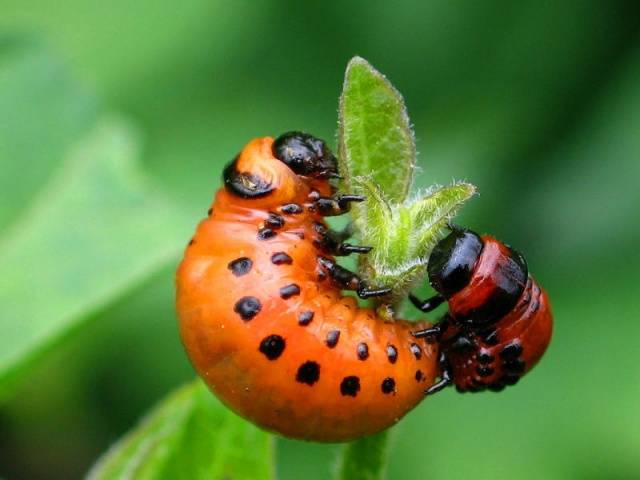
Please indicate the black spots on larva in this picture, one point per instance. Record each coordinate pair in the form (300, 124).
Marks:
(350, 386)
(281, 258)
(209, 212)
(240, 266)
(192, 241)
(416, 350)
(419, 376)
(363, 351)
(388, 386)
(308, 373)
(274, 221)
(332, 338)
(511, 351)
(247, 307)
(305, 317)
(484, 371)
(272, 346)
(266, 233)
(291, 208)
(289, 291)
(392, 353)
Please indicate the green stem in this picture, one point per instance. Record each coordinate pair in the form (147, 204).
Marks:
(365, 458)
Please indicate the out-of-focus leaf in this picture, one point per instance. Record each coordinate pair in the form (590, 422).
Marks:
(190, 435)
(97, 229)
(364, 459)
(43, 111)
(375, 139)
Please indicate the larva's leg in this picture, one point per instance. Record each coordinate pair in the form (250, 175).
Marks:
(347, 280)
(334, 244)
(435, 331)
(338, 205)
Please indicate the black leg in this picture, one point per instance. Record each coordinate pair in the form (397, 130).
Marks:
(445, 381)
(427, 305)
(347, 249)
(333, 242)
(366, 292)
(347, 280)
(338, 205)
(445, 376)
(435, 331)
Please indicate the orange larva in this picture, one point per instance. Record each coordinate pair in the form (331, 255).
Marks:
(261, 312)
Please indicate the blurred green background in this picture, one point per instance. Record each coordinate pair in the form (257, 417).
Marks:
(536, 103)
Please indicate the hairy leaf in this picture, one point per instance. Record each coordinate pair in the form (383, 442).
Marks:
(375, 139)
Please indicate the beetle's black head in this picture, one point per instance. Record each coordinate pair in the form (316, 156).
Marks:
(452, 261)
(305, 155)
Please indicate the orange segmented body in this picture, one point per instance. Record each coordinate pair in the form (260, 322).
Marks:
(499, 322)
(261, 312)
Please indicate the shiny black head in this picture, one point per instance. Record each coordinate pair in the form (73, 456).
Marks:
(452, 261)
(305, 155)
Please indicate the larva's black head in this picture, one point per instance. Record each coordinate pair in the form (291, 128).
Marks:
(244, 184)
(305, 155)
(452, 261)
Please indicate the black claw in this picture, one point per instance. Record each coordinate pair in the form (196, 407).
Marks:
(445, 377)
(434, 331)
(436, 387)
(428, 304)
(365, 292)
(347, 248)
(338, 205)
(349, 197)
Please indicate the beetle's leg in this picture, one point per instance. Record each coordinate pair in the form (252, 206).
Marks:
(428, 304)
(445, 376)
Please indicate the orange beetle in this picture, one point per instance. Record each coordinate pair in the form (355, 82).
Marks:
(261, 312)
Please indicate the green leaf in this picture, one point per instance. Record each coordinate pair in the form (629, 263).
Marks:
(403, 235)
(430, 214)
(364, 459)
(44, 112)
(375, 139)
(190, 435)
(96, 230)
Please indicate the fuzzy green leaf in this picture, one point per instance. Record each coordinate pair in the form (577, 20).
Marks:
(375, 139)
(430, 214)
(190, 435)
(97, 229)
(403, 235)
